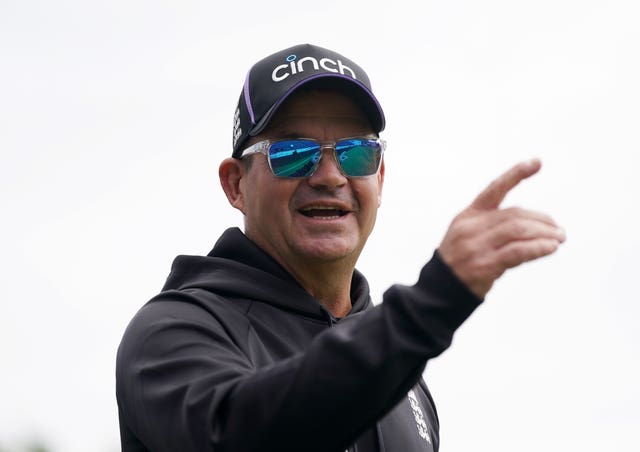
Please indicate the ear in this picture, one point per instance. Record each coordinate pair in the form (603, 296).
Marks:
(231, 172)
(380, 182)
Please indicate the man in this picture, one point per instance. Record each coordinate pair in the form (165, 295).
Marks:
(271, 342)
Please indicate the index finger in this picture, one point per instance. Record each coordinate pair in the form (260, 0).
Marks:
(492, 196)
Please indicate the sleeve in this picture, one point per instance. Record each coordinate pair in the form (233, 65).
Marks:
(186, 385)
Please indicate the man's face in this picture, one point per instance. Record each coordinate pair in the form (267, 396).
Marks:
(325, 217)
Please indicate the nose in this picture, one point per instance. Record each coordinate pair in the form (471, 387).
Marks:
(327, 174)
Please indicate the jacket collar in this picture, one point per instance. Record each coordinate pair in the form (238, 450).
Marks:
(238, 268)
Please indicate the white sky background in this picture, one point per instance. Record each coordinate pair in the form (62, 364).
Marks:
(115, 115)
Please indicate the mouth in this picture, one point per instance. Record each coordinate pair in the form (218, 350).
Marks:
(323, 212)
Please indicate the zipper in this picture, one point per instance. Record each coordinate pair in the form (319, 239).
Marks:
(331, 321)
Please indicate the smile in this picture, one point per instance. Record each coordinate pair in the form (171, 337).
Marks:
(323, 213)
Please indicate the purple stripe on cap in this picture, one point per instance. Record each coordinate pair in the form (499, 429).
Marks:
(247, 98)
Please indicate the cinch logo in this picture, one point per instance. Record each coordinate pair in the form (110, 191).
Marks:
(293, 67)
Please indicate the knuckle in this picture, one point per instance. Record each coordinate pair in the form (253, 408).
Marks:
(514, 255)
(463, 227)
(518, 255)
(518, 228)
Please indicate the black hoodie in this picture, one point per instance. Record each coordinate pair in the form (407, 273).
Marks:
(234, 355)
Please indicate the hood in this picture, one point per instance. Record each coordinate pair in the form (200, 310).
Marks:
(238, 268)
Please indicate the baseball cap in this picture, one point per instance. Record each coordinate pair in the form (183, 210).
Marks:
(271, 80)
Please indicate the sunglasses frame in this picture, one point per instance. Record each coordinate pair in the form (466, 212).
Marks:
(262, 147)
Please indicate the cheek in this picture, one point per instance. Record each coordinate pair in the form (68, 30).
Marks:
(270, 199)
(380, 180)
(368, 193)
(369, 189)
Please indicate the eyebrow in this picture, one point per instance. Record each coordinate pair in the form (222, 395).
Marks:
(279, 134)
(288, 133)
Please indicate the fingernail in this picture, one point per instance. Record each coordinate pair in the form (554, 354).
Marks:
(562, 233)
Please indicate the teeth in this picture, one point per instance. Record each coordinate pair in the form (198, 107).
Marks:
(326, 218)
(319, 208)
(323, 212)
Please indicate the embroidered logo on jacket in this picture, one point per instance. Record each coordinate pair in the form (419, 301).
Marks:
(423, 430)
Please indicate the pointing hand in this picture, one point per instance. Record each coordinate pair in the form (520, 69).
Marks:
(483, 240)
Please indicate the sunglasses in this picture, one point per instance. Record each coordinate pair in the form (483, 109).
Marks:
(298, 158)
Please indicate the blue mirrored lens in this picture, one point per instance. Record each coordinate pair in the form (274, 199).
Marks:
(299, 158)
(359, 157)
(294, 158)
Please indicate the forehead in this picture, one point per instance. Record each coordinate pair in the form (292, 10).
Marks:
(319, 112)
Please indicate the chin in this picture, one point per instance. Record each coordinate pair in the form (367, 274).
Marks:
(330, 249)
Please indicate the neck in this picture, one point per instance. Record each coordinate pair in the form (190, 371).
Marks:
(330, 285)
(334, 295)
(328, 281)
